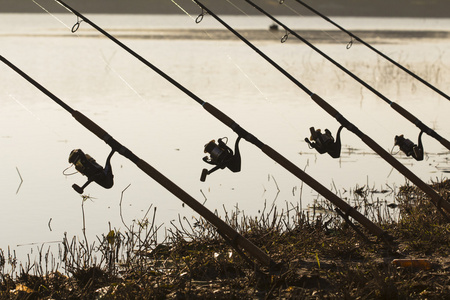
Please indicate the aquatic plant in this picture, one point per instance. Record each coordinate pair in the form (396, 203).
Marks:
(318, 254)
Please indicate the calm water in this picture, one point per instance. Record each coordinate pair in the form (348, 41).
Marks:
(167, 129)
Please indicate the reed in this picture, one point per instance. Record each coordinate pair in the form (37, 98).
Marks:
(319, 255)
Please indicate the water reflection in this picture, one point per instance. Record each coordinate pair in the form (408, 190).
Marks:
(164, 127)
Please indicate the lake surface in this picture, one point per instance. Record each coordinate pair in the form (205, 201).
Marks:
(168, 129)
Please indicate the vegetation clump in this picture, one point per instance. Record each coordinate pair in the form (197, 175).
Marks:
(318, 256)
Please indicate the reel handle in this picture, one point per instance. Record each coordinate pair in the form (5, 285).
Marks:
(204, 174)
(77, 188)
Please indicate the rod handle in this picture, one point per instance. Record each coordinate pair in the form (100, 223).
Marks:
(404, 113)
(90, 125)
(221, 225)
(333, 198)
(218, 114)
(322, 103)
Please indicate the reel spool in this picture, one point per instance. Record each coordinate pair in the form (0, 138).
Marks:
(87, 166)
(222, 157)
(324, 142)
(409, 148)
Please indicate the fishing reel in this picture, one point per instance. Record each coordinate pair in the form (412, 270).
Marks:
(324, 142)
(87, 166)
(409, 148)
(222, 157)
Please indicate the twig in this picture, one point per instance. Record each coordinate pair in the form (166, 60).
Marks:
(84, 198)
(120, 207)
(21, 180)
(203, 196)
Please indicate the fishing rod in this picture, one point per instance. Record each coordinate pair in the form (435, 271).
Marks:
(373, 49)
(223, 157)
(104, 177)
(407, 146)
(435, 197)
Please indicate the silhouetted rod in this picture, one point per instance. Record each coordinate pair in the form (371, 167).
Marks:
(220, 225)
(435, 197)
(347, 209)
(375, 50)
(395, 106)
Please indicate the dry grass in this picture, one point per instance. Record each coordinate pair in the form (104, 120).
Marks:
(319, 256)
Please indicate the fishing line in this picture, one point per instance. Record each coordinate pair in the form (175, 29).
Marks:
(34, 115)
(236, 240)
(265, 97)
(375, 50)
(283, 39)
(403, 112)
(74, 30)
(238, 67)
(183, 10)
(221, 156)
(24, 107)
(123, 80)
(47, 11)
(342, 68)
(69, 174)
(235, 6)
(437, 199)
(324, 31)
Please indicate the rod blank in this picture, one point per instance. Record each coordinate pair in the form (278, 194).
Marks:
(435, 197)
(375, 50)
(374, 229)
(403, 112)
(221, 226)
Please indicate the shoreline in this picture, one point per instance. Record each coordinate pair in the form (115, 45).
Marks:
(364, 8)
(317, 36)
